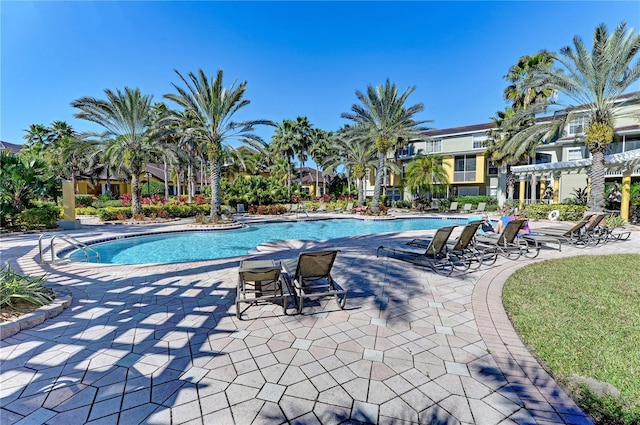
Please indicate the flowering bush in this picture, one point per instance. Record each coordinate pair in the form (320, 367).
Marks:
(125, 199)
(201, 200)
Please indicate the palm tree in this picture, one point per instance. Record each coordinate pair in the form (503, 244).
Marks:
(126, 117)
(517, 92)
(356, 155)
(385, 122)
(425, 174)
(213, 107)
(595, 80)
(302, 139)
(37, 138)
(282, 146)
(498, 149)
(521, 95)
(319, 150)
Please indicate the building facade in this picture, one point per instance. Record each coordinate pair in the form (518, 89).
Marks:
(557, 170)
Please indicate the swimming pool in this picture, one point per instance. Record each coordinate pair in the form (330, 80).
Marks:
(177, 247)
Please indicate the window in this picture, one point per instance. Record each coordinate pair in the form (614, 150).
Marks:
(574, 154)
(434, 146)
(406, 151)
(631, 142)
(543, 158)
(464, 168)
(479, 140)
(577, 125)
(468, 191)
(492, 168)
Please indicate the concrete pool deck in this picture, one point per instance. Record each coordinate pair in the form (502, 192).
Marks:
(160, 344)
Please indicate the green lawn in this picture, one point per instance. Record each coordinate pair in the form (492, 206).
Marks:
(581, 316)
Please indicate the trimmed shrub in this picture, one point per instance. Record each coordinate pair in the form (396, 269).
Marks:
(103, 203)
(567, 212)
(114, 213)
(44, 217)
(84, 200)
(86, 211)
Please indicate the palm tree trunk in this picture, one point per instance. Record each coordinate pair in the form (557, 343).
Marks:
(375, 202)
(289, 178)
(190, 183)
(596, 197)
(215, 169)
(361, 192)
(108, 181)
(136, 207)
(166, 179)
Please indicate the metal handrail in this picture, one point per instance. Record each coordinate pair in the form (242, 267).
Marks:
(69, 240)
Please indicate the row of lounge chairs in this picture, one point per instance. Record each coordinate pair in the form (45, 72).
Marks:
(472, 249)
(466, 208)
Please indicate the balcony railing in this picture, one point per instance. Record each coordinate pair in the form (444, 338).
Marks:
(464, 176)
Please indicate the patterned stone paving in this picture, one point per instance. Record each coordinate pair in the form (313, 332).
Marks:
(161, 345)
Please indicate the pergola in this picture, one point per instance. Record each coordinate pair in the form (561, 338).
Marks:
(626, 163)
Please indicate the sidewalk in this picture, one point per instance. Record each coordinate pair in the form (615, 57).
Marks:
(161, 345)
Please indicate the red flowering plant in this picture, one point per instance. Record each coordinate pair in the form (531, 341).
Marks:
(125, 199)
(200, 199)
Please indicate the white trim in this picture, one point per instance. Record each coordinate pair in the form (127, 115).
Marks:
(621, 160)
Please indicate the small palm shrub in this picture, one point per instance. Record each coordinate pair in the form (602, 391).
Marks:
(15, 287)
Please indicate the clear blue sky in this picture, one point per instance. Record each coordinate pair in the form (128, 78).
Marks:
(299, 58)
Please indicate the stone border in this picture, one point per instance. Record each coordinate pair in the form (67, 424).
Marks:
(62, 301)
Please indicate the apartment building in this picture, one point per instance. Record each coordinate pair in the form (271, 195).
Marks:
(558, 168)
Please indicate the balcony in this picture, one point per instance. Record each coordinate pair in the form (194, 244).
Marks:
(464, 176)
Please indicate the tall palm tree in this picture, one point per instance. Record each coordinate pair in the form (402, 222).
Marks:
(517, 92)
(595, 80)
(319, 150)
(386, 122)
(282, 146)
(355, 154)
(37, 138)
(302, 140)
(213, 107)
(126, 117)
(498, 148)
(425, 174)
(522, 95)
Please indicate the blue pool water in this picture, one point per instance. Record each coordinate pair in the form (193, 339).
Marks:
(208, 245)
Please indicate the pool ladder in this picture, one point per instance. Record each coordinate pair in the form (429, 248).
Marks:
(71, 241)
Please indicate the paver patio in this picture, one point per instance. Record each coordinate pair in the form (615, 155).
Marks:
(160, 344)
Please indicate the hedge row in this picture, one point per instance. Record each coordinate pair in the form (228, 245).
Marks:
(162, 211)
(567, 212)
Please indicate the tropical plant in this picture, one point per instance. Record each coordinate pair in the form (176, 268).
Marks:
(126, 117)
(595, 80)
(385, 122)
(21, 182)
(211, 108)
(15, 287)
(425, 174)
